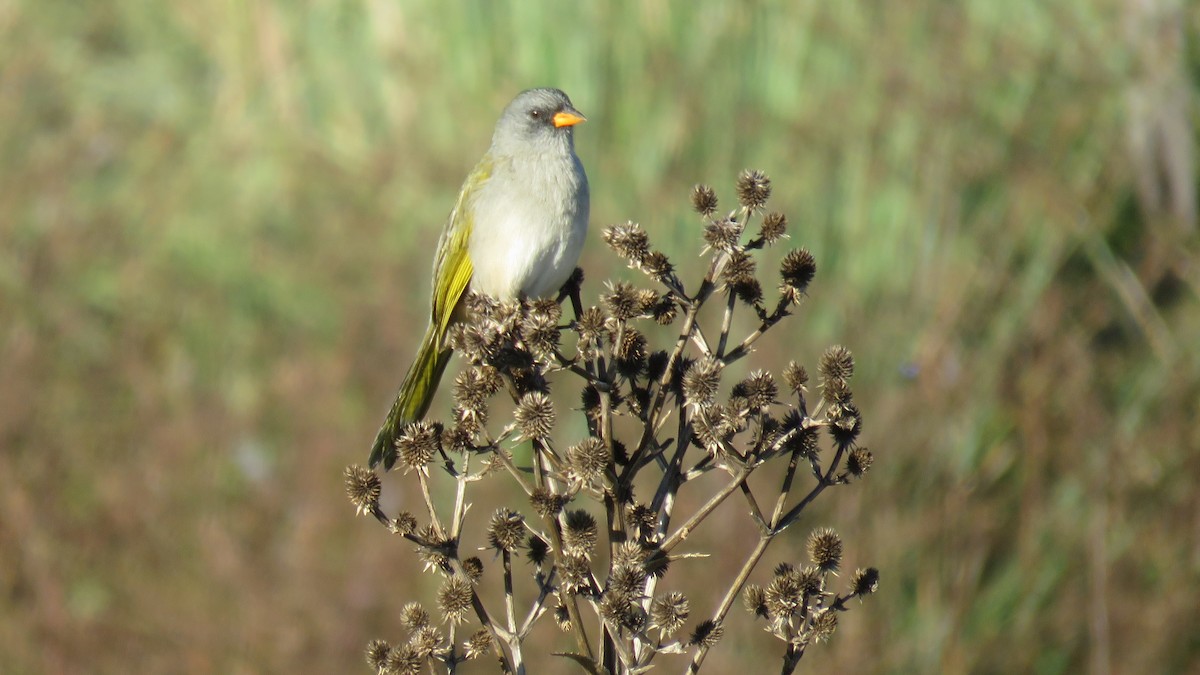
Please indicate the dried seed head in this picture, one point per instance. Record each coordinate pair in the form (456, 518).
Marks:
(418, 443)
(669, 612)
(576, 574)
(630, 354)
(796, 271)
(579, 533)
(657, 265)
(823, 626)
(413, 616)
(540, 334)
(707, 634)
(377, 653)
(701, 380)
(627, 580)
(723, 234)
(619, 608)
(562, 616)
(812, 582)
(478, 644)
(755, 600)
(796, 377)
(805, 441)
(506, 530)
(588, 459)
(837, 363)
(629, 241)
(825, 549)
(859, 462)
(454, 599)
(535, 415)
(784, 596)
(753, 189)
(845, 423)
(665, 312)
(864, 582)
(404, 523)
(363, 488)
(629, 554)
(538, 549)
(739, 268)
(431, 554)
(403, 660)
(622, 301)
(748, 291)
(774, 227)
(643, 518)
(704, 200)
(759, 390)
(473, 568)
(427, 641)
(591, 323)
(546, 503)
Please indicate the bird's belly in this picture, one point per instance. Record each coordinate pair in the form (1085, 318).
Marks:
(520, 254)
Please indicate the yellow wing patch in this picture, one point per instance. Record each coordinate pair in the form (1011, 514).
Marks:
(453, 269)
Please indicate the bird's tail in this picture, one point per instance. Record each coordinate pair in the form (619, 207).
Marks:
(414, 397)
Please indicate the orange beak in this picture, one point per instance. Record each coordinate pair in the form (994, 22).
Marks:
(567, 119)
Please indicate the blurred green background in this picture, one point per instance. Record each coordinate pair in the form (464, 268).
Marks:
(215, 220)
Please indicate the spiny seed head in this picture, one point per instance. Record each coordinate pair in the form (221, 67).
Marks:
(774, 227)
(723, 234)
(701, 380)
(619, 608)
(413, 616)
(864, 582)
(837, 392)
(576, 574)
(535, 415)
(540, 333)
(825, 549)
(591, 323)
(845, 423)
(811, 580)
(823, 626)
(506, 530)
(755, 600)
(629, 554)
(759, 390)
(748, 290)
(669, 612)
(562, 616)
(580, 533)
(644, 518)
(704, 200)
(427, 641)
(404, 523)
(665, 311)
(622, 301)
(784, 595)
(630, 354)
(753, 189)
(403, 660)
(859, 462)
(657, 563)
(796, 271)
(547, 307)
(377, 653)
(805, 442)
(473, 568)
(628, 580)
(588, 459)
(538, 549)
(418, 443)
(796, 377)
(707, 634)
(657, 265)
(478, 644)
(546, 503)
(363, 488)
(739, 268)
(629, 241)
(837, 363)
(454, 599)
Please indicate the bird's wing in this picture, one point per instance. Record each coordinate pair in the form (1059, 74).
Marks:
(453, 269)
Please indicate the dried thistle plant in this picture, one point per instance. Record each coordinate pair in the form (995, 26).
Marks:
(648, 409)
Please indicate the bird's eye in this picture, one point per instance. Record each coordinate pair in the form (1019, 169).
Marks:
(535, 114)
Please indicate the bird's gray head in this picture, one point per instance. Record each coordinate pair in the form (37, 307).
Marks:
(541, 117)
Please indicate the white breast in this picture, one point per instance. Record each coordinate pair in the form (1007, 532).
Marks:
(529, 225)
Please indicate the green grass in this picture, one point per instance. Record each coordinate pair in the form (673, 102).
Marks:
(212, 218)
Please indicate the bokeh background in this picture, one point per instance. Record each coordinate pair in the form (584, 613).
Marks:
(216, 221)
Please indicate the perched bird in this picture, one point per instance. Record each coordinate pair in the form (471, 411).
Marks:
(517, 229)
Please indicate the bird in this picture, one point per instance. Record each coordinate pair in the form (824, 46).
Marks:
(516, 230)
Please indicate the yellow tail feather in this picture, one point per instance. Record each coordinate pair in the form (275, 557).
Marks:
(414, 397)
